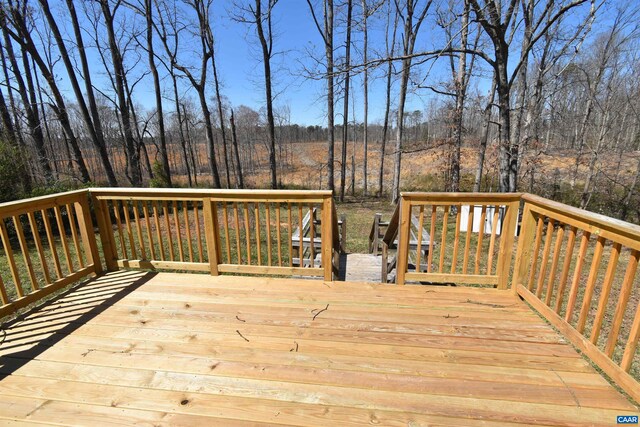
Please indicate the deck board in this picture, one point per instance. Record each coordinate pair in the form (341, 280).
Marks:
(186, 349)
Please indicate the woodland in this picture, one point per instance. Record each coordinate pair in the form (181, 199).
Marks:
(517, 95)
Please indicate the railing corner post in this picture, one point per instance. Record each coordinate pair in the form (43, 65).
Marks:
(83, 215)
(106, 233)
(403, 240)
(327, 237)
(211, 233)
(523, 253)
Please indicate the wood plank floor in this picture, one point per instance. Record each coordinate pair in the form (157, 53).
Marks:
(184, 349)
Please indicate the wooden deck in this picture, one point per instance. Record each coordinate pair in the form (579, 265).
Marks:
(186, 349)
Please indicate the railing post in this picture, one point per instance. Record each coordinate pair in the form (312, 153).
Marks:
(403, 240)
(106, 233)
(211, 234)
(506, 244)
(327, 237)
(83, 216)
(523, 254)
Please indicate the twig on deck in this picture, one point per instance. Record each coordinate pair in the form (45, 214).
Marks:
(319, 311)
(450, 317)
(242, 336)
(488, 305)
(575, 398)
(295, 348)
(242, 320)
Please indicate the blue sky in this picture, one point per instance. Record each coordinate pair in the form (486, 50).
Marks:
(240, 69)
(239, 61)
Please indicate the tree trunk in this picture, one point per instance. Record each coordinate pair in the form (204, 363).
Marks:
(236, 153)
(330, 91)
(183, 143)
(164, 158)
(33, 118)
(365, 136)
(484, 139)
(345, 103)
(133, 156)
(266, 62)
(91, 120)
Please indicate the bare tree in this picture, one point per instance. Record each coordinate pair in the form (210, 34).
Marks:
(201, 9)
(326, 32)
(390, 42)
(260, 16)
(345, 102)
(89, 114)
(412, 19)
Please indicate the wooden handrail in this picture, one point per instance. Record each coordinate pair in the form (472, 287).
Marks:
(562, 255)
(434, 210)
(56, 224)
(168, 229)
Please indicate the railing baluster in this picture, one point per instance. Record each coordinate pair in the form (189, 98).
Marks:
(279, 237)
(8, 251)
(247, 231)
(116, 210)
(632, 343)
(419, 237)
(467, 243)
(24, 248)
(199, 232)
(312, 230)
(591, 283)
(577, 272)
(289, 224)
(301, 240)
(456, 240)
(36, 237)
(237, 221)
(52, 244)
(268, 219)
(156, 220)
(63, 238)
(187, 224)
(432, 234)
(152, 246)
(136, 217)
(535, 253)
(492, 240)
(167, 227)
(225, 216)
(565, 268)
(127, 220)
(623, 300)
(483, 219)
(3, 293)
(209, 213)
(554, 264)
(605, 291)
(176, 219)
(443, 243)
(256, 211)
(545, 257)
(74, 234)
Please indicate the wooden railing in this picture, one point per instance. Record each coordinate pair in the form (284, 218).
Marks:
(378, 230)
(48, 243)
(458, 250)
(244, 232)
(579, 270)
